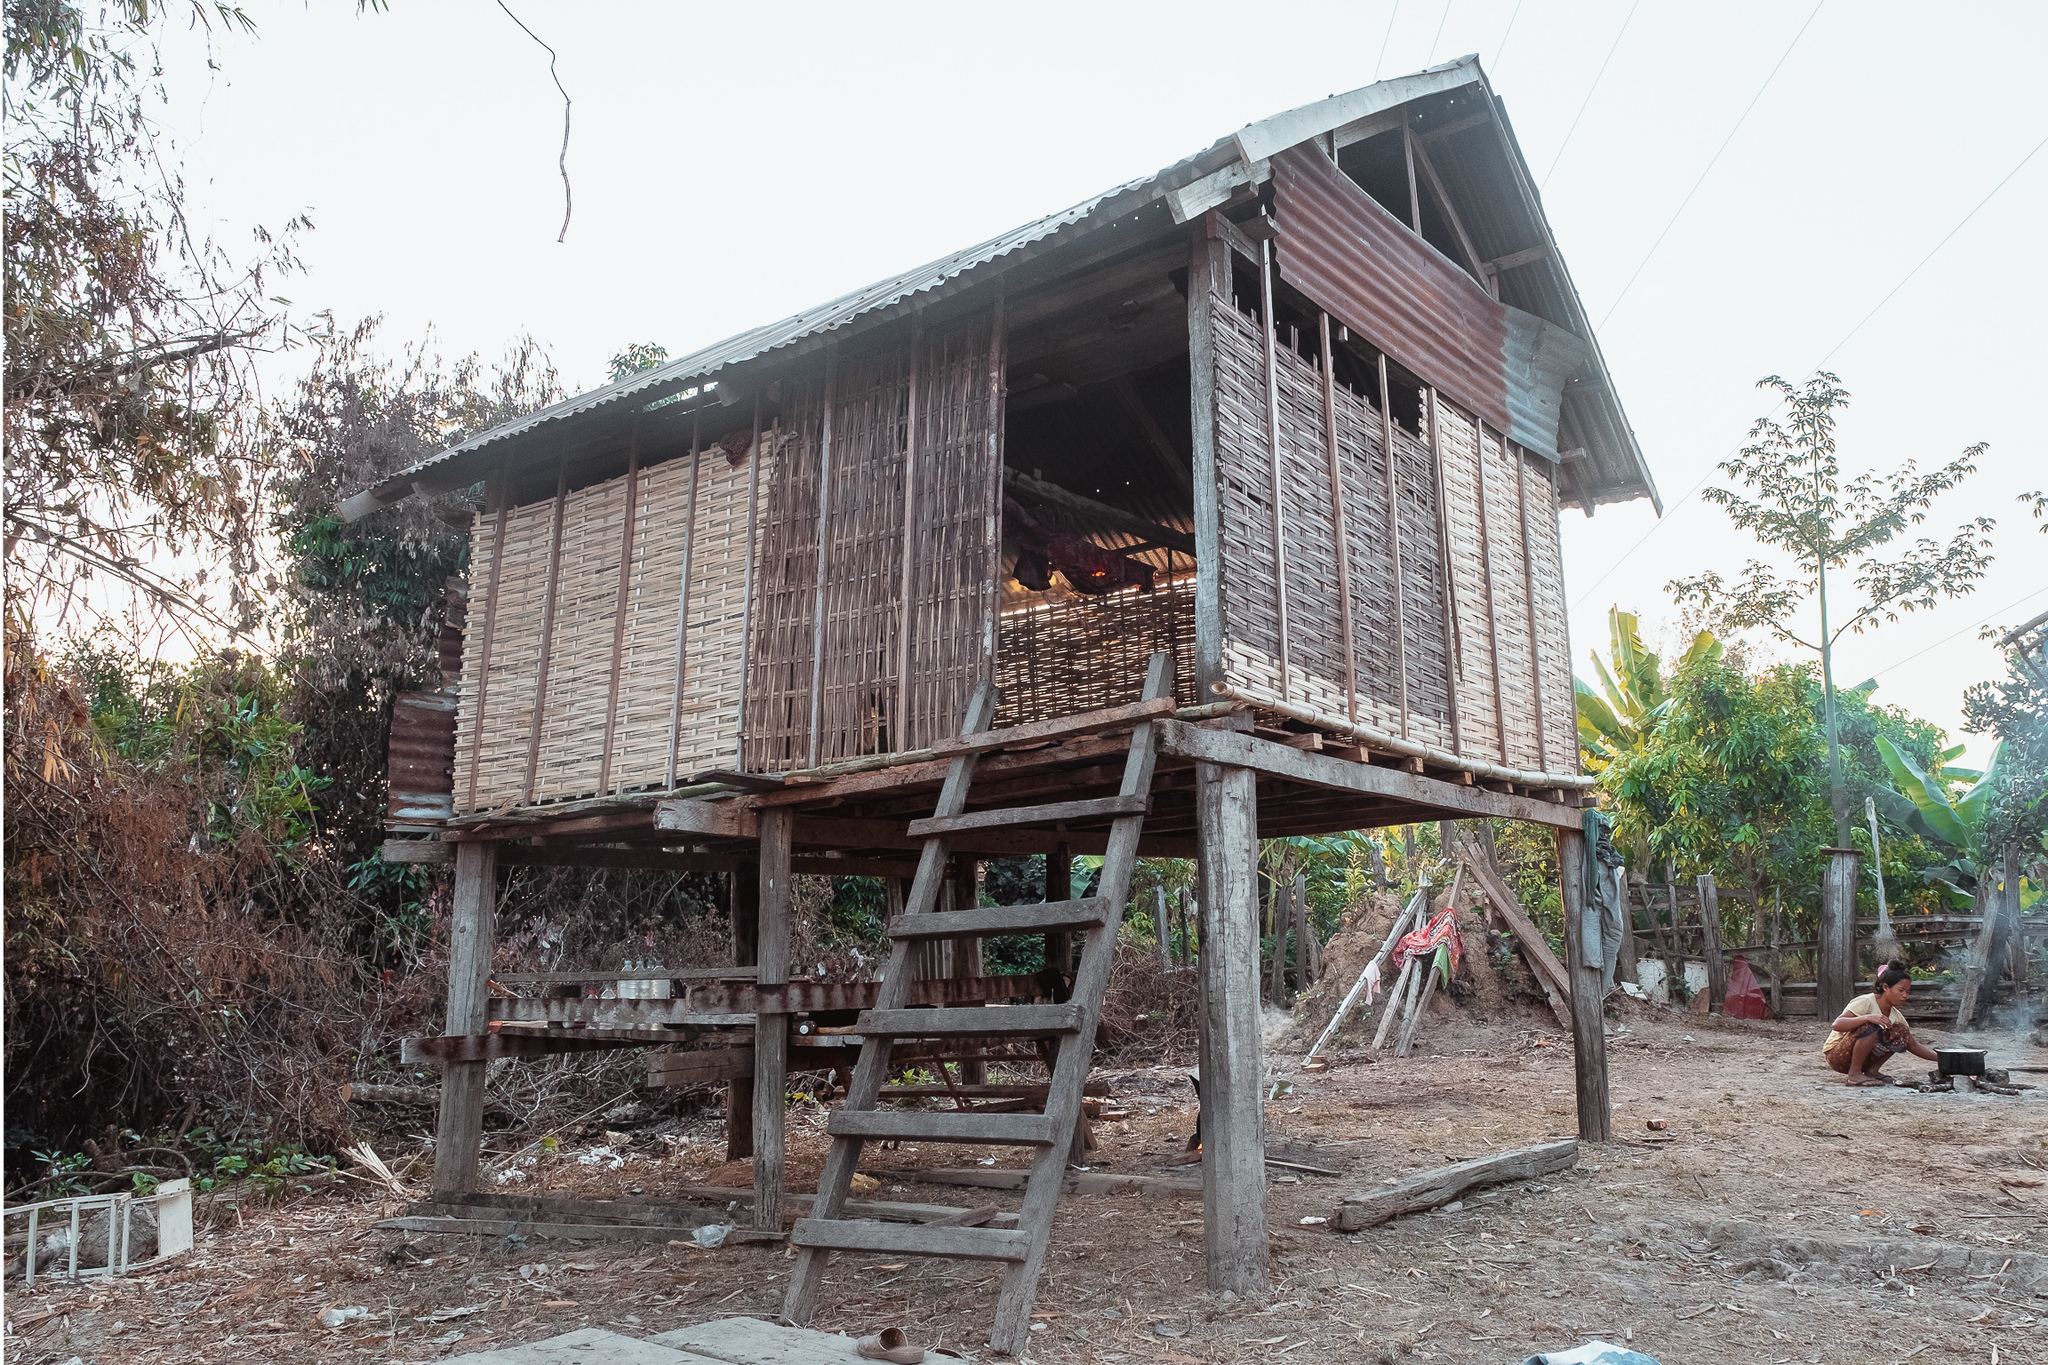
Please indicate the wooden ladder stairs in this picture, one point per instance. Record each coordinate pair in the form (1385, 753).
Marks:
(1070, 1027)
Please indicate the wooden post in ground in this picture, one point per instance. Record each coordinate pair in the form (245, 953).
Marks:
(1306, 947)
(1710, 932)
(1277, 913)
(1836, 977)
(1582, 948)
(746, 932)
(1777, 957)
(1625, 968)
(472, 937)
(771, 1031)
(1162, 930)
(1998, 901)
(1059, 886)
(1233, 1133)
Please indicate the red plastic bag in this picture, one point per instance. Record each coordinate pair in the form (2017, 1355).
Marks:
(1745, 998)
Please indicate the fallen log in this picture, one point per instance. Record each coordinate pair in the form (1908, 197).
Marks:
(1434, 1188)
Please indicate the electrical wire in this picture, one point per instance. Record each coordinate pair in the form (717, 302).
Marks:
(1896, 663)
(1445, 18)
(1665, 520)
(1589, 95)
(1380, 65)
(1711, 163)
(1509, 33)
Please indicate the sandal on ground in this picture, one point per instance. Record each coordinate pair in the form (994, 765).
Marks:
(889, 1344)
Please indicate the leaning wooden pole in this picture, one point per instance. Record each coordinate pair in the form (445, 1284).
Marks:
(1401, 922)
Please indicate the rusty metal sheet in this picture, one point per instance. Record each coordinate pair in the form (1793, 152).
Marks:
(1364, 266)
(422, 756)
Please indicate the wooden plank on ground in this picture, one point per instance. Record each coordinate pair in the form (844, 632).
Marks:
(503, 1227)
(605, 1210)
(1432, 1189)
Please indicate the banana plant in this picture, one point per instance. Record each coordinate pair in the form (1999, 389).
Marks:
(1925, 804)
(1620, 718)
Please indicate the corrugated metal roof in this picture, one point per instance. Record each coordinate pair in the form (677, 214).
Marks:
(456, 465)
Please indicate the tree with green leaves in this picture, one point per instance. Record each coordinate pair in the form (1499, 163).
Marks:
(1623, 716)
(1805, 509)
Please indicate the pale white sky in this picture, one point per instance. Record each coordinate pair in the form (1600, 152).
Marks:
(732, 164)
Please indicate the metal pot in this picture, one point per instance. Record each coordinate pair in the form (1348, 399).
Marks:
(1960, 1061)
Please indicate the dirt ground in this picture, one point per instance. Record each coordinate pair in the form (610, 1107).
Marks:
(1786, 1219)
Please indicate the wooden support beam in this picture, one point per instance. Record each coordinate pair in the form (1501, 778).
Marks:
(830, 409)
(1837, 961)
(1275, 451)
(1368, 780)
(1518, 258)
(622, 603)
(682, 655)
(771, 1031)
(1116, 517)
(1394, 542)
(1583, 954)
(547, 636)
(1339, 533)
(472, 933)
(1208, 290)
(1233, 1131)
(1156, 441)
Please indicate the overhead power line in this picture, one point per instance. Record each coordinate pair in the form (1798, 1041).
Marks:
(1712, 161)
(1896, 663)
(1589, 95)
(1442, 19)
(1380, 65)
(1506, 34)
(1665, 520)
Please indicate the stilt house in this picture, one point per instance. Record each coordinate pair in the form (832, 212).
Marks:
(1220, 506)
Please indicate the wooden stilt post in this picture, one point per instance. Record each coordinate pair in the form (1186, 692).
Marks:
(746, 932)
(1836, 982)
(771, 1031)
(472, 937)
(1233, 1132)
(1710, 933)
(1582, 946)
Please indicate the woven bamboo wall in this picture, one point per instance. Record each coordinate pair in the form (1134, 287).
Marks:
(1459, 599)
(939, 617)
(558, 599)
(1064, 651)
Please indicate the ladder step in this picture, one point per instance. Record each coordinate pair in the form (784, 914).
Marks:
(899, 1239)
(994, 1021)
(941, 1125)
(1057, 812)
(1052, 917)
